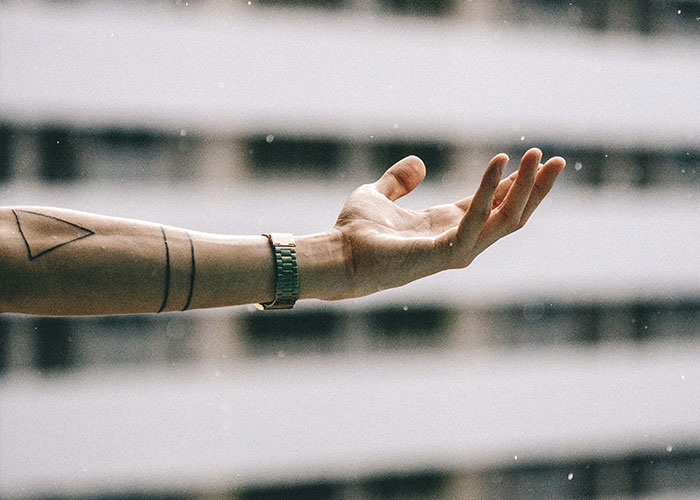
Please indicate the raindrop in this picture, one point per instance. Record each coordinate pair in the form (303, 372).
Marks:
(522, 138)
(578, 165)
(515, 457)
(281, 354)
(669, 448)
(679, 11)
(270, 138)
(405, 308)
(183, 132)
(570, 476)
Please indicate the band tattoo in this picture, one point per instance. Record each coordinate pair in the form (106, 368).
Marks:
(174, 270)
(37, 246)
(192, 273)
(167, 271)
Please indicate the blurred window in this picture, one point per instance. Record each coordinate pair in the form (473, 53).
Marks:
(586, 166)
(535, 482)
(675, 320)
(291, 332)
(687, 165)
(54, 348)
(682, 16)
(545, 323)
(4, 345)
(419, 7)
(58, 155)
(293, 156)
(436, 156)
(321, 491)
(324, 4)
(142, 496)
(409, 327)
(679, 470)
(5, 152)
(424, 486)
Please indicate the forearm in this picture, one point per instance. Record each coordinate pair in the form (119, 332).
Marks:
(62, 262)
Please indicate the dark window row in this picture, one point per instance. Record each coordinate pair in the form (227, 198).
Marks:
(631, 476)
(634, 475)
(59, 344)
(639, 474)
(64, 155)
(65, 343)
(642, 16)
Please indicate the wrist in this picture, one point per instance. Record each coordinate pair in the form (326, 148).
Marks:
(323, 266)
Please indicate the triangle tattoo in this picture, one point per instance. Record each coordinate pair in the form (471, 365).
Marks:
(34, 228)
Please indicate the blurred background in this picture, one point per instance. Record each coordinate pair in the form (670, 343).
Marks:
(564, 363)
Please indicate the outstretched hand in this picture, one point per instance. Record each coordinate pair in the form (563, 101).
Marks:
(388, 246)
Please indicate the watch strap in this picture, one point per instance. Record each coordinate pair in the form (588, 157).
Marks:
(286, 271)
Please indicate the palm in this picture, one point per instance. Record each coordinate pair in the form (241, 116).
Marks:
(391, 246)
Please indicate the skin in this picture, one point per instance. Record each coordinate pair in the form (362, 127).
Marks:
(391, 246)
(62, 262)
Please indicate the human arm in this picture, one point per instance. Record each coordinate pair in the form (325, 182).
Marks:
(62, 262)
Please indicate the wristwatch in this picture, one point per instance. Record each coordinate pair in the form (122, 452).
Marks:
(286, 272)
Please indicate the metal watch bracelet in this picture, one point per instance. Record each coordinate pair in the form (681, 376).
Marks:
(286, 272)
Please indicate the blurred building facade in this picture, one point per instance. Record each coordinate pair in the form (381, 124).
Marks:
(564, 363)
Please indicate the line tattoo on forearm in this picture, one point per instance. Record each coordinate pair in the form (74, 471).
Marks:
(179, 273)
(192, 273)
(34, 228)
(167, 271)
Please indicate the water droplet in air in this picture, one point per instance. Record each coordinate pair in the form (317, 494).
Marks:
(522, 138)
(679, 11)
(570, 476)
(183, 132)
(405, 308)
(270, 138)
(281, 354)
(578, 165)
(669, 448)
(515, 457)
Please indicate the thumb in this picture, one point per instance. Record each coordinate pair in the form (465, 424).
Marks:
(401, 178)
